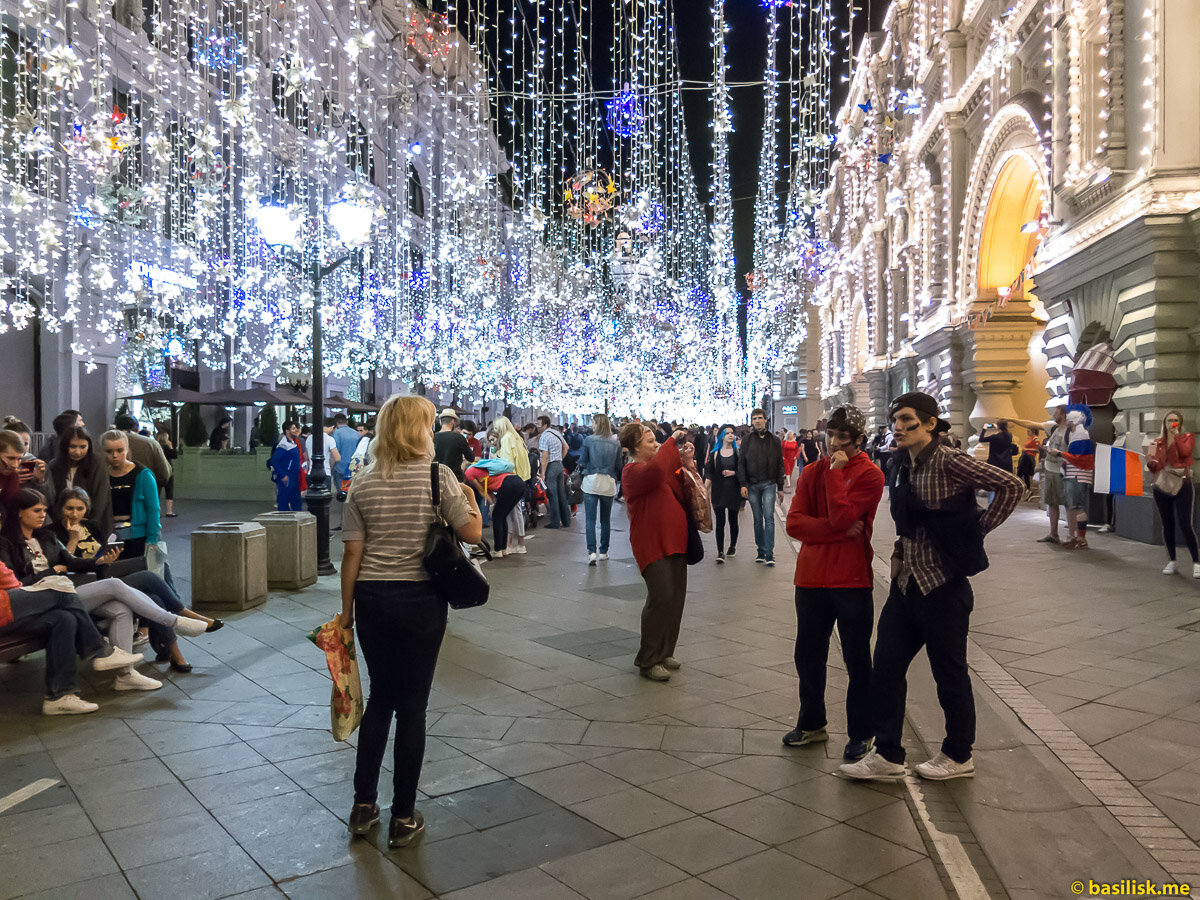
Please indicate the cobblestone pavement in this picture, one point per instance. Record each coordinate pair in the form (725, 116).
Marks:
(553, 770)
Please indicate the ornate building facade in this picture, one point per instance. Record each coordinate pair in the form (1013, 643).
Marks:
(1018, 184)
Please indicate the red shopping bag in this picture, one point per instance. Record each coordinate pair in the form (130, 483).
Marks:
(346, 700)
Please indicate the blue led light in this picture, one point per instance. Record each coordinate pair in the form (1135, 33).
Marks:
(625, 115)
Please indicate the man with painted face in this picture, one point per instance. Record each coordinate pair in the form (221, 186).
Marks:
(831, 515)
(940, 530)
(761, 474)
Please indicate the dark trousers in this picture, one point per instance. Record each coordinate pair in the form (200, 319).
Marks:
(817, 609)
(666, 588)
(719, 515)
(1178, 509)
(68, 631)
(400, 630)
(938, 622)
(558, 500)
(1025, 468)
(511, 492)
(162, 638)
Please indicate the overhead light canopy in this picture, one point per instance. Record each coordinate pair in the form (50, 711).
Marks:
(278, 225)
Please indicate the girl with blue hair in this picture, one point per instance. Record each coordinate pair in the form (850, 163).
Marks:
(726, 490)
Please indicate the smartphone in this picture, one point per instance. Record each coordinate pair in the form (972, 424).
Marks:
(29, 465)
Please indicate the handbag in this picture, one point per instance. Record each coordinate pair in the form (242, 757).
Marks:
(695, 546)
(600, 484)
(455, 577)
(700, 510)
(1169, 482)
(346, 698)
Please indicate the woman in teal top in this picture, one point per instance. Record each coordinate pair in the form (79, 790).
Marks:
(134, 494)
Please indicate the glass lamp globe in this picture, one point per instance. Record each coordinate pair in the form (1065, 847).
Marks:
(278, 225)
(352, 219)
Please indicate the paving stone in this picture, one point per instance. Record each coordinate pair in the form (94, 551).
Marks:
(208, 875)
(630, 812)
(370, 877)
(851, 854)
(617, 871)
(573, 783)
(772, 874)
(166, 838)
(529, 884)
(701, 791)
(44, 865)
(697, 845)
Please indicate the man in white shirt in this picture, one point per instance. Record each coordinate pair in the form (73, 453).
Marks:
(332, 457)
(552, 447)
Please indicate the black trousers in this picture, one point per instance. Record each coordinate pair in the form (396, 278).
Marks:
(817, 609)
(938, 622)
(1178, 509)
(719, 513)
(511, 492)
(400, 627)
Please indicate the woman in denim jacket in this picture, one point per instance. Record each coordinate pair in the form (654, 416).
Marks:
(600, 461)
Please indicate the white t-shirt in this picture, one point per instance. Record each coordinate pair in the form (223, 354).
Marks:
(329, 444)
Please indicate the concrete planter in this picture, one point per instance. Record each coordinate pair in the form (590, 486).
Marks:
(291, 549)
(229, 565)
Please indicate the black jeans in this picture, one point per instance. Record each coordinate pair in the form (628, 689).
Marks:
(511, 492)
(938, 622)
(1178, 508)
(68, 631)
(719, 514)
(817, 609)
(400, 629)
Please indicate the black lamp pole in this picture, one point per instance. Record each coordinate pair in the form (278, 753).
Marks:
(319, 496)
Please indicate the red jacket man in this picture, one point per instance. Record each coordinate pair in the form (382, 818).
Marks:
(831, 515)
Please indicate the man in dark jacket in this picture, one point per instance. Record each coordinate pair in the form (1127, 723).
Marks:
(761, 475)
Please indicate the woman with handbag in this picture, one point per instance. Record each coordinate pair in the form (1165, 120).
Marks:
(401, 619)
(658, 532)
(726, 491)
(600, 463)
(1171, 462)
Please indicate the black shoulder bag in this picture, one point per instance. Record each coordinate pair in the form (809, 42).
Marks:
(455, 578)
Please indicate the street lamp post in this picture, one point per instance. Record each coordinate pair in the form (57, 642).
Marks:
(352, 218)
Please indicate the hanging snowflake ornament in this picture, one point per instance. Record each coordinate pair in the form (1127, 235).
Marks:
(64, 68)
(625, 116)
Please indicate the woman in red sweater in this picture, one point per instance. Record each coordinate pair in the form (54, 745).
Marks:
(1171, 462)
(658, 532)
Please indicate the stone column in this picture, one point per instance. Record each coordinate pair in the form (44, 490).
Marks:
(999, 362)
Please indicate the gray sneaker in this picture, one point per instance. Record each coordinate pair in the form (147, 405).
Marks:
(943, 768)
(798, 738)
(873, 767)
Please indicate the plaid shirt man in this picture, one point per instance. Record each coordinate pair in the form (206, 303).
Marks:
(939, 473)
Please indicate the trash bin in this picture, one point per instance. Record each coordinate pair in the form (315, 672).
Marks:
(229, 565)
(291, 549)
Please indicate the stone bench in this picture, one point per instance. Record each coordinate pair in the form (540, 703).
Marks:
(229, 565)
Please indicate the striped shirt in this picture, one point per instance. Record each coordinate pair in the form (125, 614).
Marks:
(391, 516)
(1078, 437)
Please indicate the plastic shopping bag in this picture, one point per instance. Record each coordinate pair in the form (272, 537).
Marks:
(156, 559)
(346, 700)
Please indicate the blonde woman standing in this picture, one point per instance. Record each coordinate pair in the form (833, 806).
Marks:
(401, 620)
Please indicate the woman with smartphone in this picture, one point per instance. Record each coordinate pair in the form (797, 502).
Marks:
(76, 464)
(134, 494)
(73, 528)
(658, 534)
(18, 467)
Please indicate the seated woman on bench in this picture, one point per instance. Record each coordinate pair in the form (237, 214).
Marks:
(81, 538)
(58, 618)
(33, 553)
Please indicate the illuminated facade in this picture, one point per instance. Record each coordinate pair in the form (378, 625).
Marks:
(1018, 181)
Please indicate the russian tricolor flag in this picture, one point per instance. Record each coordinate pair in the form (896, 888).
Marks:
(1118, 471)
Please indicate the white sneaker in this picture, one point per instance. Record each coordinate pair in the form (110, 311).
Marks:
(1105, 529)
(521, 549)
(135, 681)
(603, 556)
(118, 659)
(591, 559)
(190, 627)
(140, 639)
(498, 554)
(657, 673)
(67, 705)
(1196, 570)
(873, 767)
(1170, 568)
(943, 768)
